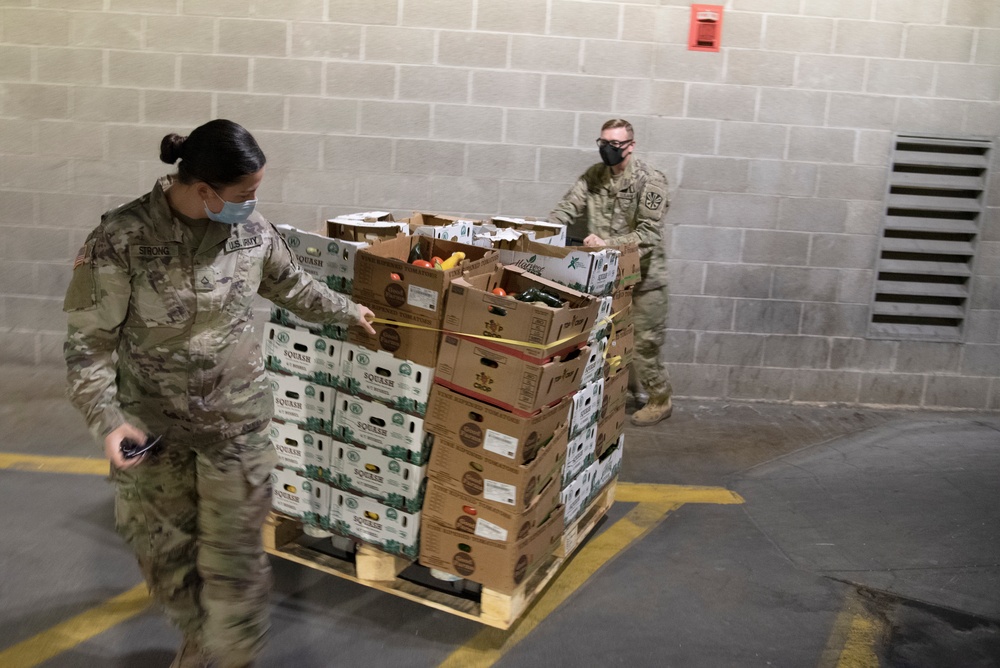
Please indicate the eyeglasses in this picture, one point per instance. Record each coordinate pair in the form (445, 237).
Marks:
(601, 143)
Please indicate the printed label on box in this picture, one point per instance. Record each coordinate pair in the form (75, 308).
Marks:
(422, 298)
(490, 530)
(501, 444)
(499, 492)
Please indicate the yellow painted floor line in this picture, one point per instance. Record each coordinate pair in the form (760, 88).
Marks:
(487, 646)
(43, 464)
(856, 632)
(631, 492)
(72, 632)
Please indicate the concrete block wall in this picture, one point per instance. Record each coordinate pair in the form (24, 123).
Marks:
(776, 148)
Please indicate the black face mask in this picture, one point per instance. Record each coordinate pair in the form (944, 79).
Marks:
(612, 156)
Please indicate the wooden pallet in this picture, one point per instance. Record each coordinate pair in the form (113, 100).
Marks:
(381, 571)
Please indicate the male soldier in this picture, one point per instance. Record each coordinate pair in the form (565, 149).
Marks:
(623, 200)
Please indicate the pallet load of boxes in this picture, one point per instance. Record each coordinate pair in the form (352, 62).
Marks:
(474, 429)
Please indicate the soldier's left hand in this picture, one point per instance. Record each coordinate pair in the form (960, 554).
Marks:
(593, 240)
(365, 317)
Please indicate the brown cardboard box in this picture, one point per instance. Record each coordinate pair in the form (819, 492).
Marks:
(472, 308)
(621, 308)
(497, 566)
(459, 510)
(504, 379)
(609, 429)
(382, 275)
(615, 391)
(463, 421)
(622, 345)
(629, 270)
(414, 344)
(491, 477)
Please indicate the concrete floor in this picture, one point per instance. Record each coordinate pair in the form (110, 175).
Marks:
(865, 535)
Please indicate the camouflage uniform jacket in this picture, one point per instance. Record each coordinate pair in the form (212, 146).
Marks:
(631, 209)
(178, 318)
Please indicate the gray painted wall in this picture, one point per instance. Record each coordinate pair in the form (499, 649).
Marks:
(776, 148)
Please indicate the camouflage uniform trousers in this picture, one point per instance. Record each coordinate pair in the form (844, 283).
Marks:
(193, 516)
(649, 313)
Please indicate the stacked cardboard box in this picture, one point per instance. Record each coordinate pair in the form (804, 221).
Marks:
(602, 457)
(379, 458)
(515, 382)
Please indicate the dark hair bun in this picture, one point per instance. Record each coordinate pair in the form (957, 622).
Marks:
(170, 148)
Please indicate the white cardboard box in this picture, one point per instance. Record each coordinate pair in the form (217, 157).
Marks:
(375, 523)
(579, 453)
(302, 402)
(378, 375)
(370, 472)
(297, 496)
(586, 409)
(541, 231)
(591, 271)
(281, 316)
(608, 466)
(595, 363)
(300, 449)
(577, 493)
(329, 260)
(397, 434)
(303, 354)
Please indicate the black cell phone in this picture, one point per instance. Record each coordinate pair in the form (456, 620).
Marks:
(131, 449)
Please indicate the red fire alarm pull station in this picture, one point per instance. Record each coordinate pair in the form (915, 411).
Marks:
(706, 28)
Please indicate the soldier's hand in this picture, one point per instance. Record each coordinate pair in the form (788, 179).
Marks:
(365, 317)
(113, 445)
(593, 240)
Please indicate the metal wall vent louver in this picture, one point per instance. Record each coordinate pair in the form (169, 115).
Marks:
(933, 209)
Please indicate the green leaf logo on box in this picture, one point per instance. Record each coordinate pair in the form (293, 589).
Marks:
(333, 248)
(394, 466)
(310, 391)
(405, 370)
(307, 439)
(353, 456)
(352, 503)
(282, 337)
(391, 514)
(397, 419)
(363, 359)
(320, 344)
(357, 409)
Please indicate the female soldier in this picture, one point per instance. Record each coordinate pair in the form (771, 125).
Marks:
(161, 343)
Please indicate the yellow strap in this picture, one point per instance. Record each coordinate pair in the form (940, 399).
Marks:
(512, 342)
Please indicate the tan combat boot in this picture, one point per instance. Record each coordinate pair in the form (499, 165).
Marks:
(656, 409)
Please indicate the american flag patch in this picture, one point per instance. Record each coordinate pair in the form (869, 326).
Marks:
(81, 257)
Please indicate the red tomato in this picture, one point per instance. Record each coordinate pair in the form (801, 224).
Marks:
(499, 292)
(422, 263)
(395, 277)
(436, 260)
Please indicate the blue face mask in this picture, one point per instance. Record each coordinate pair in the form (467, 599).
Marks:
(233, 213)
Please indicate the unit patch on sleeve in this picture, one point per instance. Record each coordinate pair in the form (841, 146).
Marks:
(653, 200)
